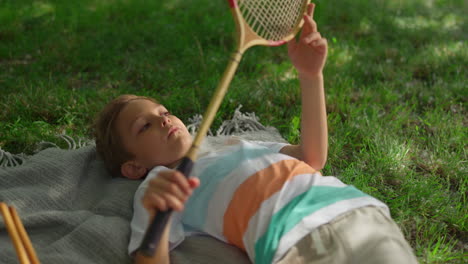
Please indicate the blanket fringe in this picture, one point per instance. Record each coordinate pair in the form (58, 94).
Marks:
(8, 159)
(71, 143)
(240, 123)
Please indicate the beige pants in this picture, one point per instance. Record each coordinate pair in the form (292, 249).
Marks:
(364, 235)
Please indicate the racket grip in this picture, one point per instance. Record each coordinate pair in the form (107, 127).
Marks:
(185, 166)
(154, 233)
(158, 225)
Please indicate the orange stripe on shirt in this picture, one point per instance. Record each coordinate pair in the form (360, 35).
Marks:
(250, 195)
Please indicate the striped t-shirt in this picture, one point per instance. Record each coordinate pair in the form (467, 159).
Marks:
(255, 198)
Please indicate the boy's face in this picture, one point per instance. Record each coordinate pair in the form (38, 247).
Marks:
(152, 134)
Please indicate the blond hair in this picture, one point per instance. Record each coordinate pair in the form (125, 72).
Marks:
(109, 145)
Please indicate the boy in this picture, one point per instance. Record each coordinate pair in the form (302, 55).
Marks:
(267, 199)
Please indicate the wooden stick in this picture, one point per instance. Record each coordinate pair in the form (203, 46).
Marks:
(14, 235)
(24, 237)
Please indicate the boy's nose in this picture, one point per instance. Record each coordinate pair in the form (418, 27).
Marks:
(165, 121)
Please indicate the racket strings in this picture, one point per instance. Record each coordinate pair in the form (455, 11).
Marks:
(270, 19)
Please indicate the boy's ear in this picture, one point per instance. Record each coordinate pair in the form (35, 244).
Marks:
(132, 170)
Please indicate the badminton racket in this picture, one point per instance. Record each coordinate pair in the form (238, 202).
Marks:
(258, 22)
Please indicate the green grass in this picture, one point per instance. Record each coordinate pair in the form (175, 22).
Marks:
(395, 83)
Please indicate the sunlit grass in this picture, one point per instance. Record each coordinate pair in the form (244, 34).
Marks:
(445, 50)
(447, 22)
(341, 55)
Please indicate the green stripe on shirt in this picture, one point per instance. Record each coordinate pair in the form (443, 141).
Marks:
(316, 198)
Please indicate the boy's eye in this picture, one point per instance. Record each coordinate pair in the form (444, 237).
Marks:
(144, 127)
(167, 113)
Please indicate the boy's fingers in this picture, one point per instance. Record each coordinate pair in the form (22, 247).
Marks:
(168, 187)
(152, 201)
(194, 182)
(173, 202)
(310, 9)
(321, 42)
(170, 190)
(162, 202)
(174, 189)
(312, 37)
(310, 23)
(178, 178)
(182, 182)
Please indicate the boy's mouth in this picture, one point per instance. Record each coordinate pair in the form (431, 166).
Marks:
(171, 131)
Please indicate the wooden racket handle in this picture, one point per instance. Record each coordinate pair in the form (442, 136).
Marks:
(14, 235)
(158, 225)
(215, 102)
(24, 237)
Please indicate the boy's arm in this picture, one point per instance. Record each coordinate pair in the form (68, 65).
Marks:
(308, 55)
(313, 148)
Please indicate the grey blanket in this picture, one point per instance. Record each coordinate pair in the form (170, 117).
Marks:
(72, 209)
(75, 212)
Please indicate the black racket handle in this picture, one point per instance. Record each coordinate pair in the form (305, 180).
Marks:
(156, 228)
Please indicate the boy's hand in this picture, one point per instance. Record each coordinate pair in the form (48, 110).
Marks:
(169, 190)
(308, 54)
